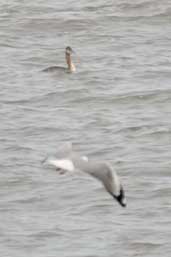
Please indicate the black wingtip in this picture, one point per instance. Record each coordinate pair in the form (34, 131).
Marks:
(121, 198)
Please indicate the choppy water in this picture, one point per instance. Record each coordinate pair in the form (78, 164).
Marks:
(116, 107)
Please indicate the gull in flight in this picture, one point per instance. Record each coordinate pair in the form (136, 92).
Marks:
(67, 160)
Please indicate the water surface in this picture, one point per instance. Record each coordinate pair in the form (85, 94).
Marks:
(116, 107)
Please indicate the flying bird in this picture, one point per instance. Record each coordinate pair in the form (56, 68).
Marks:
(67, 160)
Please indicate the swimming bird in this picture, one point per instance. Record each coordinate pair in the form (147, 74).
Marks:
(70, 65)
(68, 161)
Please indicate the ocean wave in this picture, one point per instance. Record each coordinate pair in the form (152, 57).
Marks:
(142, 9)
(142, 95)
(145, 130)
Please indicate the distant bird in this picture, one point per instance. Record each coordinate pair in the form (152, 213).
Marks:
(68, 161)
(70, 65)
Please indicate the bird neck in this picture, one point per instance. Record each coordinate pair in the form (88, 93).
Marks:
(71, 66)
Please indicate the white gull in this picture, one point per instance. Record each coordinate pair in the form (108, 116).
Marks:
(67, 160)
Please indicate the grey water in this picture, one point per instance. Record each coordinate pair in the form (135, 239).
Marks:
(116, 107)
